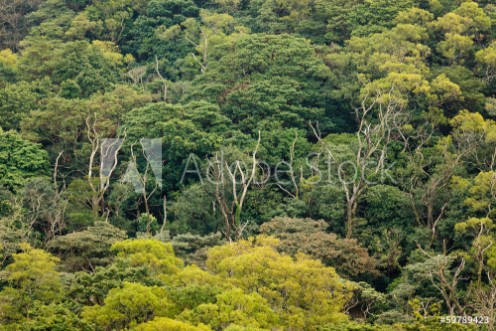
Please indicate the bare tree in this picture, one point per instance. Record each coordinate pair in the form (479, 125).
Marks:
(427, 191)
(364, 300)
(480, 229)
(166, 88)
(13, 21)
(230, 193)
(203, 46)
(14, 229)
(108, 149)
(484, 301)
(164, 219)
(475, 145)
(291, 172)
(44, 205)
(115, 16)
(57, 223)
(438, 270)
(136, 75)
(143, 178)
(379, 117)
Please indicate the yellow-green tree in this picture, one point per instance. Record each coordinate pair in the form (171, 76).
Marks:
(157, 256)
(475, 139)
(127, 307)
(303, 292)
(164, 323)
(31, 280)
(234, 307)
(482, 195)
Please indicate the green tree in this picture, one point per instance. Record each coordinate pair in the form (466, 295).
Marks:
(194, 128)
(19, 160)
(144, 43)
(16, 101)
(51, 19)
(87, 249)
(91, 288)
(193, 248)
(375, 16)
(255, 72)
(80, 61)
(307, 236)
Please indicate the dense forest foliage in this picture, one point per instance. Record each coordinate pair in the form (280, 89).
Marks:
(299, 165)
